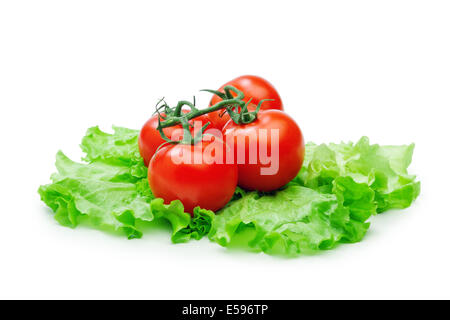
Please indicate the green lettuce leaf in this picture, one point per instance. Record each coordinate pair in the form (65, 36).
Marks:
(119, 148)
(338, 189)
(382, 168)
(290, 221)
(330, 201)
(184, 227)
(294, 219)
(106, 196)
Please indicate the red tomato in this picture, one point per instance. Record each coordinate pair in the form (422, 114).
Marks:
(204, 183)
(284, 158)
(253, 87)
(150, 139)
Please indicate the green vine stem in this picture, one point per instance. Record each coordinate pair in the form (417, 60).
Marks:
(176, 119)
(234, 106)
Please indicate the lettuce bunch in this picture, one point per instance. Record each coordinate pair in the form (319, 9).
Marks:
(330, 201)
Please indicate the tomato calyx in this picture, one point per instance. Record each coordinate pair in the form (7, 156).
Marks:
(177, 116)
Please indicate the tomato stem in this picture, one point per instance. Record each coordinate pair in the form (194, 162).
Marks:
(234, 106)
(194, 113)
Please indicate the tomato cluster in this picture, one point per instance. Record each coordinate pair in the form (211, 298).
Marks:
(263, 153)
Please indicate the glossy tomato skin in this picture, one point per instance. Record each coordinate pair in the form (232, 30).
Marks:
(206, 184)
(149, 138)
(253, 87)
(290, 146)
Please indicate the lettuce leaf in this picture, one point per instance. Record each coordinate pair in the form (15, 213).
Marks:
(184, 227)
(338, 189)
(104, 195)
(119, 148)
(294, 219)
(382, 168)
(330, 201)
(297, 219)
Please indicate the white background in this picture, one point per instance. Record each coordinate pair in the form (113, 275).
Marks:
(343, 68)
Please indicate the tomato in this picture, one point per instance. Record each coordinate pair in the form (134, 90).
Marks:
(206, 182)
(269, 171)
(253, 87)
(150, 139)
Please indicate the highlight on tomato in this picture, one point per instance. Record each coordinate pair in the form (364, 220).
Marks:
(254, 88)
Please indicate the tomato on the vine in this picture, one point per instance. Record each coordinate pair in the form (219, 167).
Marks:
(197, 175)
(269, 151)
(150, 139)
(253, 87)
